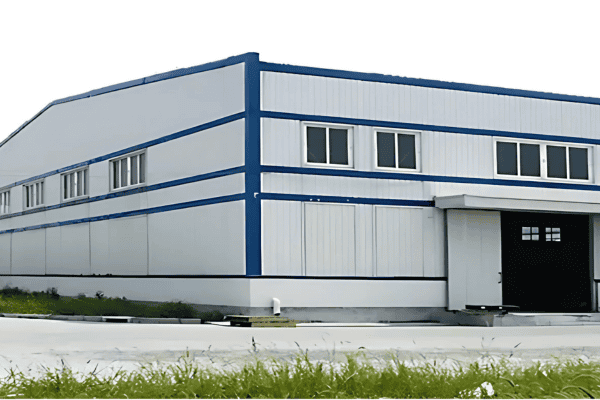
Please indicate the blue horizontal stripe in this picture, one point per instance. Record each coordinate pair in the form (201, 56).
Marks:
(423, 127)
(142, 81)
(330, 278)
(464, 87)
(141, 189)
(173, 136)
(345, 200)
(145, 211)
(425, 178)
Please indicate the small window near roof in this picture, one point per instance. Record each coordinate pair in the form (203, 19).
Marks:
(5, 202)
(396, 150)
(328, 145)
(127, 171)
(33, 195)
(74, 184)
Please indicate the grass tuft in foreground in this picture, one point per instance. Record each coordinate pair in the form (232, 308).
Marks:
(15, 300)
(356, 378)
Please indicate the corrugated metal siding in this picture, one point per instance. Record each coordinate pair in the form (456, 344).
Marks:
(304, 94)
(399, 241)
(282, 238)
(330, 239)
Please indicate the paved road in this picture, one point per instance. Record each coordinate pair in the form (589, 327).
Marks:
(29, 344)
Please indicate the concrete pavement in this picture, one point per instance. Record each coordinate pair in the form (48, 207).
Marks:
(28, 345)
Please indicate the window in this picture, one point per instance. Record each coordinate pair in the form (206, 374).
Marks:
(552, 234)
(74, 184)
(128, 171)
(396, 149)
(535, 159)
(530, 233)
(33, 194)
(5, 202)
(328, 145)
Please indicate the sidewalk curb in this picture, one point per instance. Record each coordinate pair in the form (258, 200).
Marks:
(106, 319)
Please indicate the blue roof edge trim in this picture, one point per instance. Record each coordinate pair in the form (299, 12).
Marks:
(429, 83)
(142, 81)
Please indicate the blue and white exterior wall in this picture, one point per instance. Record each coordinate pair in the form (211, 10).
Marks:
(232, 216)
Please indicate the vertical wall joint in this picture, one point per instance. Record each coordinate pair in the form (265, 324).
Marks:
(252, 179)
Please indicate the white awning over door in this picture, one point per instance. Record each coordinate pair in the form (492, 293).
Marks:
(465, 201)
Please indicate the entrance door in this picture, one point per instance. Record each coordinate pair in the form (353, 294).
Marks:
(545, 262)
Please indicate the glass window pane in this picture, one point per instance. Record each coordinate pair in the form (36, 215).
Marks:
(526, 237)
(71, 185)
(535, 229)
(79, 183)
(26, 196)
(338, 146)
(535, 237)
(134, 170)
(578, 165)
(548, 229)
(506, 155)
(556, 230)
(124, 171)
(557, 161)
(142, 168)
(526, 229)
(386, 153)
(530, 159)
(115, 174)
(406, 151)
(315, 143)
(65, 186)
(548, 237)
(41, 192)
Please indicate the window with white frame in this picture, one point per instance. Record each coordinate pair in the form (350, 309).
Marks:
(328, 145)
(542, 160)
(33, 194)
(397, 149)
(74, 184)
(127, 171)
(5, 202)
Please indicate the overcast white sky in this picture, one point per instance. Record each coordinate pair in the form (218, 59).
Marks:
(55, 49)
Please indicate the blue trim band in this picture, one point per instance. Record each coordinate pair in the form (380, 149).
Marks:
(423, 127)
(152, 210)
(173, 136)
(345, 200)
(429, 83)
(141, 189)
(143, 81)
(426, 178)
(329, 278)
(253, 211)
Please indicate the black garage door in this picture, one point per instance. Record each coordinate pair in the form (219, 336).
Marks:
(545, 262)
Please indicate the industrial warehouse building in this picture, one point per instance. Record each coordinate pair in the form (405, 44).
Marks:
(344, 195)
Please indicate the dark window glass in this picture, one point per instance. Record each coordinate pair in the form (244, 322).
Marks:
(338, 146)
(530, 159)
(385, 150)
(557, 161)
(406, 151)
(506, 155)
(315, 142)
(578, 166)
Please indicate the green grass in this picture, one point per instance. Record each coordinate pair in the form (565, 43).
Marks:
(14, 300)
(357, 378)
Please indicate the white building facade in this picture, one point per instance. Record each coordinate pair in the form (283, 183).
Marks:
(344, 195)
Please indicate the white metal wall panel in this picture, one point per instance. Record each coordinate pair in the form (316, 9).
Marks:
(281, 142)
(29, 252)
(68, 250)
(207, 151)
(119, 246)
(5, 241)
(207, 240)
(282, 238)
(399, 241)
(330, 240)
(412, 104)
(98, 183)
(364, 240)
(433, 242)
(102, 124)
